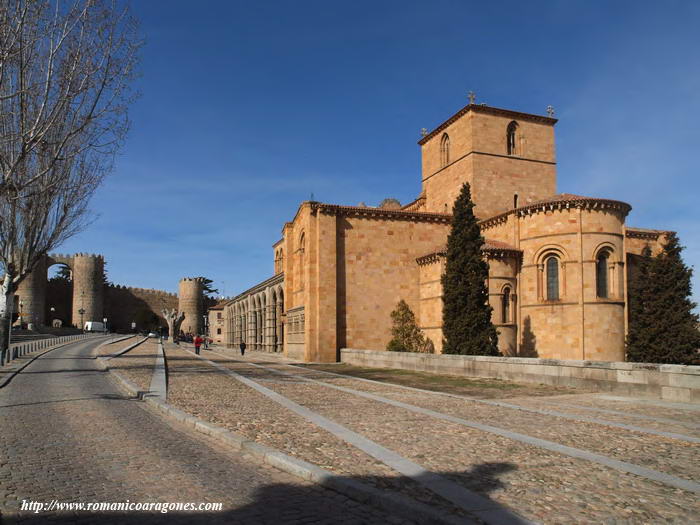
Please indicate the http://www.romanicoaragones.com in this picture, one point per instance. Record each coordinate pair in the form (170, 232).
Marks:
(121, 506)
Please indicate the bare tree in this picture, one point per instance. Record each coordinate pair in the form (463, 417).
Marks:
(65, 86)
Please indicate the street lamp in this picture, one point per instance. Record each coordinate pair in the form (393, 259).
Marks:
(21, 314)
(81, 312)
(53, 313)
(104, 320)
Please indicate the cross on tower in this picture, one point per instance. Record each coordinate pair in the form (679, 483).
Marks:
(550, 111)
(472, 97)
(423, 132)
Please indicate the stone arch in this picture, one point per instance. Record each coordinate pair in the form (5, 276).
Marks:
(87, 295)
(59, 296)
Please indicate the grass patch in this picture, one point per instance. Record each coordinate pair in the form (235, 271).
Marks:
(465, 386)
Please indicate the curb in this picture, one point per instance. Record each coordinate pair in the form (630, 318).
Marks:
(393, 503)
(121, 352)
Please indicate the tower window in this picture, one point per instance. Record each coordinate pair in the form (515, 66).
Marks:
(510, 138)
(601, 273)
(552, 269)
(444, 150)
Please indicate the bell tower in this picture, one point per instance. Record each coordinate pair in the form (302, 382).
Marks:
(499, 152)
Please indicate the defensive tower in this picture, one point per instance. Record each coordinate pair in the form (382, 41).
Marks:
(88, 288)
(191, 303)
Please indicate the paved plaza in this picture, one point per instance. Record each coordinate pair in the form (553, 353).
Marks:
(481, 452)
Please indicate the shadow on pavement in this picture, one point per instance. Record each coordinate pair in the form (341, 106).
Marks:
(287, 504)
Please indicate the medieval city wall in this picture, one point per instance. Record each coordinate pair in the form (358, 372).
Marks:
(126, 305)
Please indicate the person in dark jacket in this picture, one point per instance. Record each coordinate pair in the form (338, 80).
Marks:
(242, 345)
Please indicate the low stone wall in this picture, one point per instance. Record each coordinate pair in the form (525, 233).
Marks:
(670, 382)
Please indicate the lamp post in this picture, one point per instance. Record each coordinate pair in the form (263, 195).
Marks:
(82, 311)
(53, 313)
(21, 314)
(104, 328)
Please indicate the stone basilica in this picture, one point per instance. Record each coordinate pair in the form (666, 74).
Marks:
(558, 263)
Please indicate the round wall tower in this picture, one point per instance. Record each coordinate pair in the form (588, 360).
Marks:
(32, 295)
(191, 303)
(88, 288)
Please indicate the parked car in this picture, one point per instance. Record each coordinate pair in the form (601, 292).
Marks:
(152, 334)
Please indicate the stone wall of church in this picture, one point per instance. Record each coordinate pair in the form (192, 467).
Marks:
(355, 266)
(578, 325)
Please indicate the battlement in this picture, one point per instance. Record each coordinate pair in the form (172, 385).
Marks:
(143, 291)
(79, 254)
(193, 279)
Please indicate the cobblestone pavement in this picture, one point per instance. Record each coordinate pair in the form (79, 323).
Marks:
(540, 484)
(69, 434)
(137, 364)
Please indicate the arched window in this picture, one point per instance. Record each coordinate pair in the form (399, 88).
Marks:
(444, 150)
(505, 307)
(510, 138)
(552, 271)
(601, 274)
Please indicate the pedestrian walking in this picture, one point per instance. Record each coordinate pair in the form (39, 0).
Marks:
(242, 348)
(197, 343)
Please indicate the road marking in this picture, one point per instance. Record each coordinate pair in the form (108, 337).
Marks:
(484, 508)
(622, 466)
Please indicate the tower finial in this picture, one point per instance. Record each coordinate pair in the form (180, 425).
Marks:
(423, 132)
(472, 97)
(550, 111)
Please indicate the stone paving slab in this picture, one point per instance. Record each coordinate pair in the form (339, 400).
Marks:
(571, 487)
(203, 391)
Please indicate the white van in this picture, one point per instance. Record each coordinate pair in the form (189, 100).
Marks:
(94, 326)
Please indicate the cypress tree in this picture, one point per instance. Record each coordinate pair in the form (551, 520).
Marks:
(662, 325)
(466, 314)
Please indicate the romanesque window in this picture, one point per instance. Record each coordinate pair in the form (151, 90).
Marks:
(444, 150)
(552, 272)
(505, 307)
(601, 274)
(511, 138)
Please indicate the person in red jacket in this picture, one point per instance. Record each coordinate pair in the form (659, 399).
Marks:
(197, 343)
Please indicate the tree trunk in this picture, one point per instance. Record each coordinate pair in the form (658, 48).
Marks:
(7, 295)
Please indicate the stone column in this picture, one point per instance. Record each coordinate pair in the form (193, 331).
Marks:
(279, 327)
(270, 328)
(251, 325)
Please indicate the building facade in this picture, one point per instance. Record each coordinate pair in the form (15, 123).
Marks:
(558, 263)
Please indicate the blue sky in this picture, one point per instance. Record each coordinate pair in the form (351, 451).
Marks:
(248, 108)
